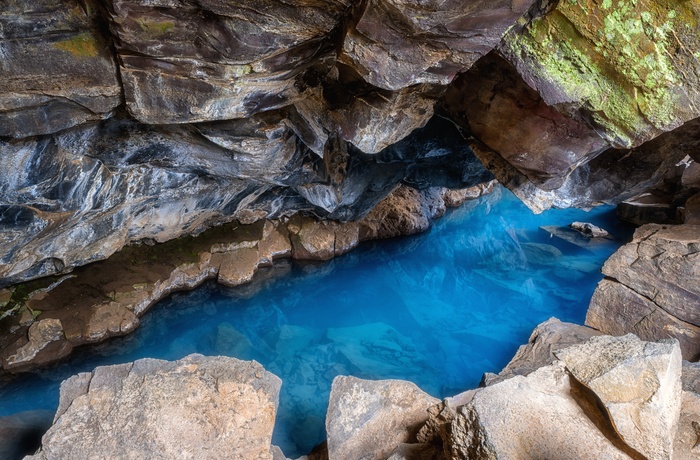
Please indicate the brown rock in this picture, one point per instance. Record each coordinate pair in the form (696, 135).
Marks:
(238, 266)
(321, 240)
(399, 43)
(456, 198)
(45, 340)
(56, 70)
(686, 445)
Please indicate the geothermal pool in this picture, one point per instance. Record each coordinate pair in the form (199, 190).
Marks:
(438, 309)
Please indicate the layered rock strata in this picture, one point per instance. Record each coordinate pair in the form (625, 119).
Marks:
(47, 318)
(651, 288)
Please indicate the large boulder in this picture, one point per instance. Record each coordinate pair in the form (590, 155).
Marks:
(56, 66)
(652, 288)
(370, 419)
(193, 408)
(529, 417)
(638, 383)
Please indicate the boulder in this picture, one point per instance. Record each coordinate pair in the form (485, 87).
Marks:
(195, 61)
(370, 419)
(405, 211)
(590, 230)
(57, 67)
(196, 407)
(317, 240)
(530, 417)
(638, 383)
(545, 341)
(658, 273)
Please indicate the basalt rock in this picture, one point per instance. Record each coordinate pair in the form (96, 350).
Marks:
(57, 68)
(196, 407)
(78, 196)
(651, 288)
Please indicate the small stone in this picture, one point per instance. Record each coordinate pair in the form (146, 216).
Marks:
(588, 229)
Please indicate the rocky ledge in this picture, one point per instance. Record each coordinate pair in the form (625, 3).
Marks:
(589, 396)
(47, 318)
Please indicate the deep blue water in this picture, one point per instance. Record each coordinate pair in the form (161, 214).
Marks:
(438, 309)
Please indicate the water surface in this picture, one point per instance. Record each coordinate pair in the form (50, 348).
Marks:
(438, 309)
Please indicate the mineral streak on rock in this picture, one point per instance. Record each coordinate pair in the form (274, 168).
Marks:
(209, 60)
(628, 68)
(398, 43)
(56, 67)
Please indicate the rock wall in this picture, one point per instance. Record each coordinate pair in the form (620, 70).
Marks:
(128, 120)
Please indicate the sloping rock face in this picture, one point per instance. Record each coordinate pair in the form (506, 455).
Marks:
(193, 408)
(652, 288)
(645, 412)
(56, 66)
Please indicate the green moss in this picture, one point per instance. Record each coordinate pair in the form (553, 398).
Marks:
(617, 64)
(83, 45)
(156, 28)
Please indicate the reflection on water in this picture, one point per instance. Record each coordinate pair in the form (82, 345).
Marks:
(438, 309)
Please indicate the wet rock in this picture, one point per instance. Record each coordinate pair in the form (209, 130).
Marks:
(316, 240)
(44, 342)
(138, 410)
(545, 341)
(238, 266)
(456, 198)
(622, 68)
(275, 243)
(195, 61)
(572, 236)
(397, 43)
(650, 208)
(590, 230)
(57, 67)
(639, 383)
(369, 419)
(405, 212)
(658, 273)
(529, 417)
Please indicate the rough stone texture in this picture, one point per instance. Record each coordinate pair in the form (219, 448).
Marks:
(208, 60)
(529, 417)
(193, 408)
(686, 445)
(238, 266)
(405, 212)
(78, 196)
(611, 177)
(653, 288)
(590, 230)
(45, 342)
(639, 383)
(369, 419)
(549, 145)
(456, 198)
(398, 43)
(546, 339)
(56, 67)
(627, 68)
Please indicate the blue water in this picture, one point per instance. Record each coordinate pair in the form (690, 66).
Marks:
(438, 309)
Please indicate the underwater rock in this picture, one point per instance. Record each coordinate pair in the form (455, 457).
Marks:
(652, 287)
(196, 407)
(369, 419)
(56, 66)
(590, 230)
(20, 434)
(639, 383)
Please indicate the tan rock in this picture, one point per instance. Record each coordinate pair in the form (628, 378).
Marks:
(686, 445)
(274, 244)
(369, 419)
(194, 408)
(41, 336)
(545, 340)
(533, 417)
(109, 320)
(456, 198)
(238, 266)
(639, 383)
